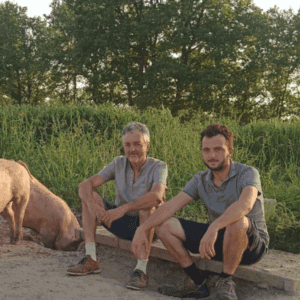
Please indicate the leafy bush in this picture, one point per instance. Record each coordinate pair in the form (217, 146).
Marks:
(64, 145)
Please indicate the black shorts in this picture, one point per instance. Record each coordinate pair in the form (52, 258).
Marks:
(124, 227)
(194, 232)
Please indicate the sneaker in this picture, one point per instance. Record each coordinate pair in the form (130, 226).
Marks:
(138, 280)
(190, 290)
(86, 266)
(226, 290)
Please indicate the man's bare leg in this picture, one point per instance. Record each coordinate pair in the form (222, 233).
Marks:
(234, 244)
(172, 235)
(139, 279)
(91, 217)
(90, 220)
(144, 255)
(143, 216)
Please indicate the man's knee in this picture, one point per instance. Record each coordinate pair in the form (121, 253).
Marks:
(163, 228)
(238, 227)
(81, 188)
(85, 200)
(170, 228)
(99, 199)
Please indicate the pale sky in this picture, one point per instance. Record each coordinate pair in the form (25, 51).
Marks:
(40, 7)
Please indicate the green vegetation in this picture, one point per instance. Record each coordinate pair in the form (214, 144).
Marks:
(228, 60)
(64, 145)
(200, 55)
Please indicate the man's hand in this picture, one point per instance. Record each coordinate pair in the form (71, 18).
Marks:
(139, 239)
(112, 215)
(206, 248)
(100, 212)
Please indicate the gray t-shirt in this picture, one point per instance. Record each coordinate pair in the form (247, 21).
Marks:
(217, 200)
(152, 172)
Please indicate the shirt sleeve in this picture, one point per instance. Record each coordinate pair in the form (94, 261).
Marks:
(251, 178)
(191, 188)
(161, 173)
(108, 172)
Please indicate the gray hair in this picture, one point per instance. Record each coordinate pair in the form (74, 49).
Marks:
(136, 127)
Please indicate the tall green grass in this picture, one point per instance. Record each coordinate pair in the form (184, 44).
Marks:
(65, 145)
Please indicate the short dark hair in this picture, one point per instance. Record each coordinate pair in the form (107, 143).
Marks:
(216, 129)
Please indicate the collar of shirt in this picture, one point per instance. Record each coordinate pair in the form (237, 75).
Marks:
(143, 166)
(232, 173)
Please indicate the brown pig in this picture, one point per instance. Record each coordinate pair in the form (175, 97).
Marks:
(51, 217)
(14, 196)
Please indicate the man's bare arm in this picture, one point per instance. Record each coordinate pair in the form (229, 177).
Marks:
(238, 209)
(234, 213)
(151, 199)
(162, 214)
(166, 211)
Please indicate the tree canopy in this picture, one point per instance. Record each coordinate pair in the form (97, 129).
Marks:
(215, 57)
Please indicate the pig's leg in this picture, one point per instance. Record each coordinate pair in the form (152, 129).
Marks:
(20, 208)
(9, 215)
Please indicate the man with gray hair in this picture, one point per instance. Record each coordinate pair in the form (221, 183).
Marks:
(140, 188)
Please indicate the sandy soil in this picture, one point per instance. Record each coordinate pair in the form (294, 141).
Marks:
(30, 271)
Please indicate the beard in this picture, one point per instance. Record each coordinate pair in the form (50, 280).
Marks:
(220, 167)
(134, 159)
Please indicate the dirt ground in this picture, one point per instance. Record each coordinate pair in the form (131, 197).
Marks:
(30, 271)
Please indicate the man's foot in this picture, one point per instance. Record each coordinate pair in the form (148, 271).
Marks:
(86, 266)
(225, 289)
(138, 280)
(190, 290)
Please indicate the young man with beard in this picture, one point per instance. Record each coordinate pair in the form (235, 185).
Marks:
(237, 233)
(140, 188)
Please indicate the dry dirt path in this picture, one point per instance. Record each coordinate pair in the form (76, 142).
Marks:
(30, 272)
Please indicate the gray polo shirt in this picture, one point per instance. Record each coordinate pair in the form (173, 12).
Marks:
(152, 172)
(217, 200)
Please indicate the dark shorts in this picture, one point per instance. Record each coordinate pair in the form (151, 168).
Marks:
(124, 227)
(195, 231)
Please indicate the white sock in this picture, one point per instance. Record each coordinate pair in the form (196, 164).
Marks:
(90, 249)
(142, 265)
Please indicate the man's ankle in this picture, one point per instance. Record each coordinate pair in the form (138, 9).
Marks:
(225, 275)
(142, 265)
(90, 249)
(195, 274)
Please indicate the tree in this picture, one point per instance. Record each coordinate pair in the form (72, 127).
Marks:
(282, 55)
(209, 55)
(24, 75)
